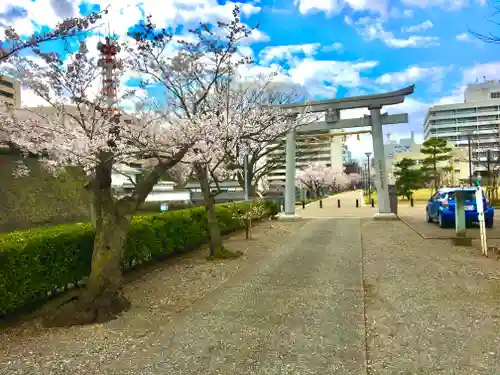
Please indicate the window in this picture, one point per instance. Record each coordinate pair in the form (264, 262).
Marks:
(488, 109)
(6, 94)
(6, 84)
(495, 95)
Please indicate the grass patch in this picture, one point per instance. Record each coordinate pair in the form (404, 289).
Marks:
(419, 196)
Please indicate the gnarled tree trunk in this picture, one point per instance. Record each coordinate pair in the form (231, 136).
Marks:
(102, 297)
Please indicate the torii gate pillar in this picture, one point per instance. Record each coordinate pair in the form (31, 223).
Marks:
(384, 206)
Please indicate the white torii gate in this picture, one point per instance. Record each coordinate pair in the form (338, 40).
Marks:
(332, 108)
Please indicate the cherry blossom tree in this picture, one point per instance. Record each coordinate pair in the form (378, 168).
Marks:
(14, 43)
(354, 179)
(340, 181)
(239, 123)
(200, 80)
(250, 96)
(77, 129)
(82, 128)
(316, 176)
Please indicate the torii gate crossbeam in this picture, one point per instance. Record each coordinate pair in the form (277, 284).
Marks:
(332, 110)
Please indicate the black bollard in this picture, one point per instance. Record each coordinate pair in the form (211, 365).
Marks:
(357, 203)
(320, 203)
(303, 204)
(411, 202)
(338, 203)
(373, 202)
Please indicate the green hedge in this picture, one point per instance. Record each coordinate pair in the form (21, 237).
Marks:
(36, 263)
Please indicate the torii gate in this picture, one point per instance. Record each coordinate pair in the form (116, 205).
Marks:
(332, 108)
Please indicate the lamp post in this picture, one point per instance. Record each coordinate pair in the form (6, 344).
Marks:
(368, 172)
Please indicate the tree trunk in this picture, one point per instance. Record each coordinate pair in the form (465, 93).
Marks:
(252, 191)
(249, 228)
(102, 298)
(216, 248)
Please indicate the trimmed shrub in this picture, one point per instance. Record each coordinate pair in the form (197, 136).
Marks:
(36, 263)
(272, 207)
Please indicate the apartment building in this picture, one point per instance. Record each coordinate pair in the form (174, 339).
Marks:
(311, 148)
(10, 91)
(454, 171)
(476, 121)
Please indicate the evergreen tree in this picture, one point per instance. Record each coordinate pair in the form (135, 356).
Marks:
(408, 178)
(436, 151)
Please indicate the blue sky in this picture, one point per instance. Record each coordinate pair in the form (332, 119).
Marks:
(334, 48)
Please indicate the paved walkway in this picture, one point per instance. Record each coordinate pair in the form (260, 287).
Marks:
(301, 313)
(347, 207)
(426, 308)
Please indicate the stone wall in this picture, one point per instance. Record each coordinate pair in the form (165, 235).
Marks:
(39, 199)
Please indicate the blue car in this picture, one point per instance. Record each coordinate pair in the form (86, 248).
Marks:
(441, 208)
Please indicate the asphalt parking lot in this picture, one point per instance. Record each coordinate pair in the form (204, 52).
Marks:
(415, 218)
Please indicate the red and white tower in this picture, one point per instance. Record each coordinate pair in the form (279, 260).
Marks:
(109, 64)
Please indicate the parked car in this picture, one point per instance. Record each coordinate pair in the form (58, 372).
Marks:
(441, 208)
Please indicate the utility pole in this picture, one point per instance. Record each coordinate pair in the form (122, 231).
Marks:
(470, 159)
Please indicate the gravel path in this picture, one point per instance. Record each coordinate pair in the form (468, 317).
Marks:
(432, 308)
(292, 305)
(299, 313)
(296, 310)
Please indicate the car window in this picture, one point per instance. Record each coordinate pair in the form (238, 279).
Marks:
(436, 196)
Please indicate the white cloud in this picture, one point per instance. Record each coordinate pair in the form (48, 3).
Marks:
(372, 29)
(324, 77)
(395, 13)
(126, 13)
(334, 7)
(333, 47)
(444, 4)
(41, 13)
(489, 70)
(426, 25)
(413, 74)
(447, 5)
(464, 37)
(271, 53)
(318, 77)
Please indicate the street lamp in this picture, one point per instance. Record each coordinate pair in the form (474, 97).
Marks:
(368, 170)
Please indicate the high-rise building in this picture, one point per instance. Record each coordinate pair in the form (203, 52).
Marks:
(10, 91)
(311, 148)
(475, 122)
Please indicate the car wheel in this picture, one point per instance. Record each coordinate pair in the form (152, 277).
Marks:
(429, 218)
(442, 223)
(488, 223)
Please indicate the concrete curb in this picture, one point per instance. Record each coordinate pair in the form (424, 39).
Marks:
(438, 238)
